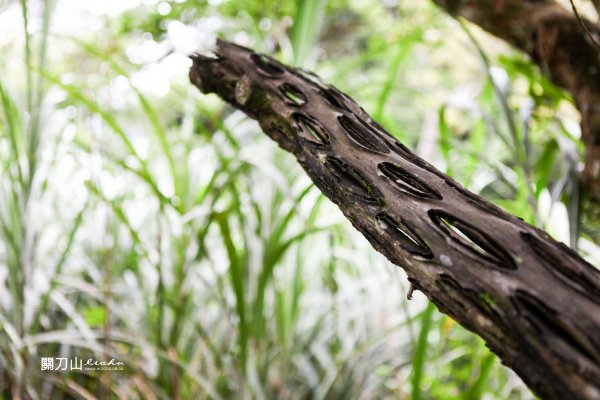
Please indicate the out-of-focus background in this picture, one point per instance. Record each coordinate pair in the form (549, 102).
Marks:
(144, 222)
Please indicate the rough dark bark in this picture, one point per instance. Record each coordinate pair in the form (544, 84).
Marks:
(556, 40)
(534, 301)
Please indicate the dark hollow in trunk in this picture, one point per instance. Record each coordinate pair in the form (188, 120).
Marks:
(534, 301)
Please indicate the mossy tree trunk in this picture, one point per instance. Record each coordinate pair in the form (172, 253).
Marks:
(534, 301)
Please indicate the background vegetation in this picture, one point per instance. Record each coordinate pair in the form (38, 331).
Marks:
(143, 221)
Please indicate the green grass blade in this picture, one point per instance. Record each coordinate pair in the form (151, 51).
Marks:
(420, 353)
(307, 25)
(236, 275)
(477, 390)
(405, 45)
(41, 309)
(15, 132)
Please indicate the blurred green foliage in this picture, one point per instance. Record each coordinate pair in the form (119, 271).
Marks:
(145, 222)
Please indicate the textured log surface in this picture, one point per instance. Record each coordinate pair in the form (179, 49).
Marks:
(556, 40)
(534, 301)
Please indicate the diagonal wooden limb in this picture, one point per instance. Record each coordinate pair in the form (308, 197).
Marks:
(534, 301)
(596, 4)
(565, 50)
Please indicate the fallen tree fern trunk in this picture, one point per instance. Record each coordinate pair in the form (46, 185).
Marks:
(534, 301)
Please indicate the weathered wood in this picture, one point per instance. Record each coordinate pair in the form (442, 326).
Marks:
(534, 301)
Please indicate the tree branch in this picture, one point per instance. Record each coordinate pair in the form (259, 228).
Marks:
(534, 301)
(558, 42)
(596, 4)
(582, 22)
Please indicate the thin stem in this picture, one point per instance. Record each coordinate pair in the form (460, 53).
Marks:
(582, 23)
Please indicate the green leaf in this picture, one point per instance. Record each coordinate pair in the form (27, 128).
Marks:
(95, 316)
